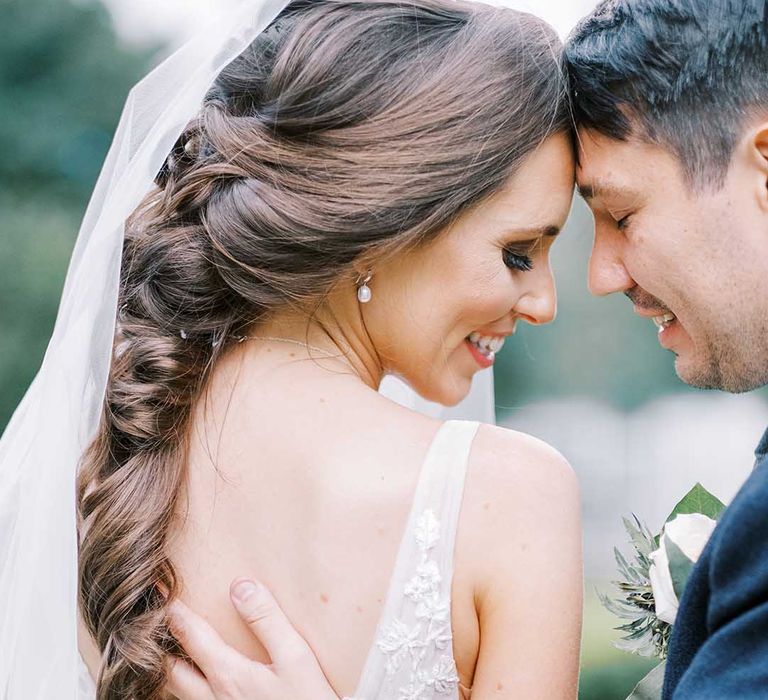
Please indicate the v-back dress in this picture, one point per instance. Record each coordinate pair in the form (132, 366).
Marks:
(412, 655)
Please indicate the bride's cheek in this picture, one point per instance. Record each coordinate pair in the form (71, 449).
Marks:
(493, 298)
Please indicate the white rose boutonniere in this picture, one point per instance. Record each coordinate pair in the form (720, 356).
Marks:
(653, 579)
(680, 547)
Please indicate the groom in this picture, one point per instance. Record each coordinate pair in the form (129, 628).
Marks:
(671, 103)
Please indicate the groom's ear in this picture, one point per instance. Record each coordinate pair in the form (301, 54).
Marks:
(759, 149)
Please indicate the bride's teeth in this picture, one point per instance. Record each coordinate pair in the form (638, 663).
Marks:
(487, 344)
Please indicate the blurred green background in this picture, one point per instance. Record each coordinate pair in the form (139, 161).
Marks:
(64, 75)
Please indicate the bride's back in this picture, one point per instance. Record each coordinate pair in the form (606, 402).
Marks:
(313, 482)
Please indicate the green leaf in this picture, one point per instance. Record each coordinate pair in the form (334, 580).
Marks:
(639, 535)
(698, 500)
(680, 566)
(650, 687)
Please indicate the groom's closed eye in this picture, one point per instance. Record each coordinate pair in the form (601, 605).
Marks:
(620, 203)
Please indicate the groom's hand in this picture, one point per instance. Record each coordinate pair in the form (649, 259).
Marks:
(224, 673)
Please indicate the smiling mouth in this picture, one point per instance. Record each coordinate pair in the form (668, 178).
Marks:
(664, 322)
(486, 345)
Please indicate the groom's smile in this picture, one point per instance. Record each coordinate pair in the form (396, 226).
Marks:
(664, 319)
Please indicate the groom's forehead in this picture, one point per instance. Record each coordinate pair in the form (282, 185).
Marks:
(600, 176)
(611, 168)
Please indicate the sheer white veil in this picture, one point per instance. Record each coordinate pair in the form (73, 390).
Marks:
(58, 417)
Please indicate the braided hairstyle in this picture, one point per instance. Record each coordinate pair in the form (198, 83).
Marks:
(349, 128)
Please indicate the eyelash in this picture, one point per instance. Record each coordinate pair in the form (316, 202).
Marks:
(621, 224)
(515, 261)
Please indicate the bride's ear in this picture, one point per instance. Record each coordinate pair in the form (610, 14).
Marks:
(758, 147)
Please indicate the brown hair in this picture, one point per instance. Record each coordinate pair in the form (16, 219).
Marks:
(349, 128)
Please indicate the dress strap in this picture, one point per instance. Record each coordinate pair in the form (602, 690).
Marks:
(413, 649)
(440, 490)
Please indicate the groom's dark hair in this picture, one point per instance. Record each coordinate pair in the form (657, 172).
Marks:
(682, 74)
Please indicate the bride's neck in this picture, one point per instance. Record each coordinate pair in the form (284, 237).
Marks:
(323, 336)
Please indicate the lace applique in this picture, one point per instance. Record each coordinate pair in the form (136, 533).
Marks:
(420, 655)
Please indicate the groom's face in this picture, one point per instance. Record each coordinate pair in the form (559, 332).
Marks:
(694, 263)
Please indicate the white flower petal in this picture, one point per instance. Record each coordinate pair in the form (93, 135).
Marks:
(690, 532)
(663, 591)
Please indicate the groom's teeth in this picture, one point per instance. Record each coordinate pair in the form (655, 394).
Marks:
(663, 321)
(474, 337)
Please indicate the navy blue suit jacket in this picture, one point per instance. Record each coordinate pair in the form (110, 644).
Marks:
(719, 645)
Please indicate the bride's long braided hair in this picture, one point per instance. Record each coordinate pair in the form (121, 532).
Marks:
(348, 127)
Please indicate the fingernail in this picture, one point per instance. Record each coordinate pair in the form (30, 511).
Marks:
(243, 590)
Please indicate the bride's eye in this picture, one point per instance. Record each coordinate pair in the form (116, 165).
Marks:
(516, 260)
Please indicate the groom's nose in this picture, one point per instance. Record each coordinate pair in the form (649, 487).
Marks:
(607, 273)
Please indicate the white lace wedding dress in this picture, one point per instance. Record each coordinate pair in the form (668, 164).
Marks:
(412, 655)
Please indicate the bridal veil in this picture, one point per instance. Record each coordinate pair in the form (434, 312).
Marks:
(58, 417)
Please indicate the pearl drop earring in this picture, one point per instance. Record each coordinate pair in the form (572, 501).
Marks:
(364, 293)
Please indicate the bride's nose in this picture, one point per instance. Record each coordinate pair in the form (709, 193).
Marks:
(538, 303)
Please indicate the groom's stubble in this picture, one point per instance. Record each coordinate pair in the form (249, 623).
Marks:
(733, 359)
(732, 356)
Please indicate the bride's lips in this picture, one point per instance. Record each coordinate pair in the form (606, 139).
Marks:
(481, 359)
(484, 346)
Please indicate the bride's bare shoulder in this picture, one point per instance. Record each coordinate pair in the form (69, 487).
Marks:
(518, 566)
(520, 492)
(501, 456)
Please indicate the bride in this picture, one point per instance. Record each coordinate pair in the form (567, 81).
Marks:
(370, 188)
